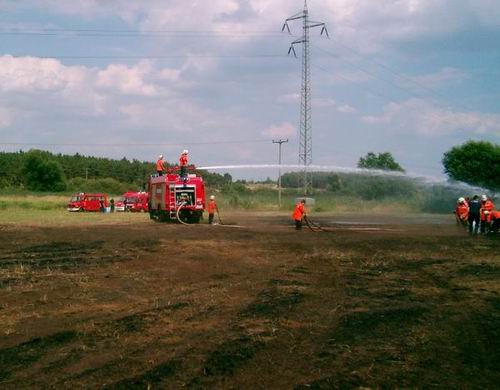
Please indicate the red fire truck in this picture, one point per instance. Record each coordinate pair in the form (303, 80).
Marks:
(172, 198)
(133, 201)
(88, 202)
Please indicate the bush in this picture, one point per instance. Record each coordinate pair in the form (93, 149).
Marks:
(42, 173)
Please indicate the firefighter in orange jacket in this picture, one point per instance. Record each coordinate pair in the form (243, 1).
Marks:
(487, 207)
(299, 214)
(212, 208)
(183, 162)
(160, 168)
(462, 212)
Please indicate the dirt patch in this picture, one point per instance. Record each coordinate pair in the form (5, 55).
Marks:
(148, 379)
(262, 306)
(25, 354)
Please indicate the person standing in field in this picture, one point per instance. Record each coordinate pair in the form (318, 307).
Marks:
(299, 214)
(474, 215)
(462, 212)
(487, 206)
(212, 208)
(160, 167)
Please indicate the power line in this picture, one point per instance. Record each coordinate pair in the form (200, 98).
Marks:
(235, 142)
(155, 57)
(137, 33)
(395, 73)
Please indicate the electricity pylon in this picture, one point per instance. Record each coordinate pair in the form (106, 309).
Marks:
(305, 145)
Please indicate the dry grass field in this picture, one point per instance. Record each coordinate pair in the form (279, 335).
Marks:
(117, 301)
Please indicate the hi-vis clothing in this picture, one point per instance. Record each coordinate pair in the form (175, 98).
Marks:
(462, 211)
(486, 208)
(299, 212)
(183, 160)
(212, 207)
(159, 166)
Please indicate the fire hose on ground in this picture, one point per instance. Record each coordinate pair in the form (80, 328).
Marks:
(315, 227)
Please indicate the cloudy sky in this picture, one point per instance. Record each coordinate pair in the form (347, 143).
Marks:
(129, 78)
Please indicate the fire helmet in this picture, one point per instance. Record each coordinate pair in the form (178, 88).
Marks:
(461, 200)
(160, 156)
(484, 198)
(212, 197)
(185, 151)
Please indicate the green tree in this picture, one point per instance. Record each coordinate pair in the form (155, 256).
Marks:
(476, 163)
(42, 173)
(384, 161)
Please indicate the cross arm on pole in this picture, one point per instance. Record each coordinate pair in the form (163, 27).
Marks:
(324, 30)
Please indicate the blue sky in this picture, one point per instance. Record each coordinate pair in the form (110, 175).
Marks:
(411, 77)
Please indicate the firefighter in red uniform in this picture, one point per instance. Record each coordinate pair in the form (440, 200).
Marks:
(462, 212)
(487, 207)
(299, 214)
(160, 168)
(212, 208)
(183, 162)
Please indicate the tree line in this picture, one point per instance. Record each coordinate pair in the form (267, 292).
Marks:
(38, 170)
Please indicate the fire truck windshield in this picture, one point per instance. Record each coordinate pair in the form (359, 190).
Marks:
(131, 200)
(75, 199)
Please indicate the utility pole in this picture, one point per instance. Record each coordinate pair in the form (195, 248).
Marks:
(305, 145)
(280, 142)
(86, 173)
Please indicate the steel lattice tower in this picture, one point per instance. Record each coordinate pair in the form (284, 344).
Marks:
(305, 144)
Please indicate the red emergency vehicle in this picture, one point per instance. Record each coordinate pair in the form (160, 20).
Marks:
(88, 202)
(133, 201)
(173, 199)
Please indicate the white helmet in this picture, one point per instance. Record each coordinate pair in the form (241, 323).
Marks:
(212, 197)
(461, 200)
(185, 151)
(484, 198)
(160, 156)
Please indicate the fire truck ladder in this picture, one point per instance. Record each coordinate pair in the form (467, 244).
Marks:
(172, 203)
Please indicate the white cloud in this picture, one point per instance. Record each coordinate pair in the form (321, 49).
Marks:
(127, 80)
(286, 129)
(324, 103)
(29, 74)
(424, 118)
(346, 109)
(289, 98)
(445, 77)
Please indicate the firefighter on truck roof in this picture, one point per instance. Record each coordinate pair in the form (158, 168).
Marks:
(160, 168)
(183, 162)
(299, 214)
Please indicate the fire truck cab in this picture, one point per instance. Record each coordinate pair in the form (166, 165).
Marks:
(88, 202)
(133, 201)
(173, 199)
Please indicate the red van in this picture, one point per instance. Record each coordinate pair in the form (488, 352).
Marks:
(88, 202)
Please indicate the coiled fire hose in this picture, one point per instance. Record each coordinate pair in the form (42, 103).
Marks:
(179, 208)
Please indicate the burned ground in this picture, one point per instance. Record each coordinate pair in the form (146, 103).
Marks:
(259, 306)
